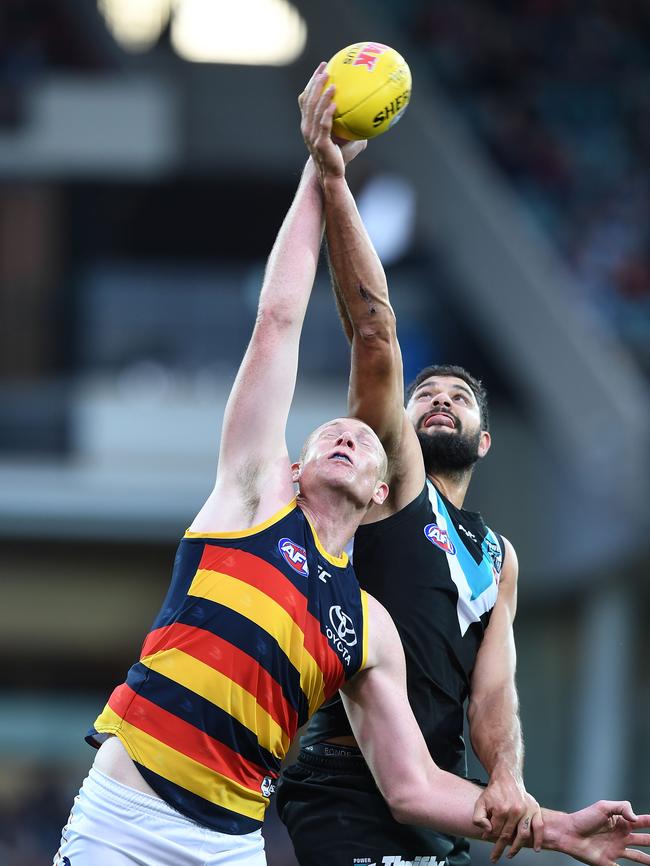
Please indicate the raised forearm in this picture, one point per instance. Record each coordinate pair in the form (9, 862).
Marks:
(266, 378)
(356, 268)
(292, 263)
(341, 307)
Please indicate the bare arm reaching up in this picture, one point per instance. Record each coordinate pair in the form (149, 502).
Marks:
(376, 392)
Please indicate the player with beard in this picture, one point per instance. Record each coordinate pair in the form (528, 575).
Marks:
(447, 454)
(448, 580)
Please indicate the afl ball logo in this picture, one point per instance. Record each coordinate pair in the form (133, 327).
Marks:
(440, 538)
(369, 54)
(295, 555)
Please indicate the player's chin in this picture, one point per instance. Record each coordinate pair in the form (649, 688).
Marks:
(338, 473)
(349, 482)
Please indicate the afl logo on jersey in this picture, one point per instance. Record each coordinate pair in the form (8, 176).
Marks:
(295, 555)
(440, 538)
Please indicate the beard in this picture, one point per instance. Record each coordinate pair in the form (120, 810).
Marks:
(446, 453)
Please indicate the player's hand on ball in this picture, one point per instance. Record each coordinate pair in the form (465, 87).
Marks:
(373, 89)
(317, 107)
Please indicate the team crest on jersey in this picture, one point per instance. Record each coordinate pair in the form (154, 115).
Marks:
(493, 551)
(295, 555)
(440, 537)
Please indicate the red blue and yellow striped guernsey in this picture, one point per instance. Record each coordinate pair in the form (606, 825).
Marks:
(257, 630)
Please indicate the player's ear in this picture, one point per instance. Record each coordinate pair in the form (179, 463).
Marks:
(296, 469)
(484, 443)
(380, 494)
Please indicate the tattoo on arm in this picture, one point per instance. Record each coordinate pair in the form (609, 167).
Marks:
(367, 298)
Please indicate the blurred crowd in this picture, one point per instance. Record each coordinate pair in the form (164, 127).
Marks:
(37, 37)
(35, 804)
(559, 91)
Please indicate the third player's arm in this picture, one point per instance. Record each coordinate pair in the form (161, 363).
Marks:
(419, 792)
(416, 790)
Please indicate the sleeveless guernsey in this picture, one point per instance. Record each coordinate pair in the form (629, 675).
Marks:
(257, 630)
(436, 569)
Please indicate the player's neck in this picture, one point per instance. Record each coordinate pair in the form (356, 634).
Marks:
(334, 520)
(452, 485)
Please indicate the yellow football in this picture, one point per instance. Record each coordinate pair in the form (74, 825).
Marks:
(373, 88)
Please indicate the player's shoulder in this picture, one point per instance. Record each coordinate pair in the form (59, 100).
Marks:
(232, 506)
(383, 638)
(510, 567)
(400, 508)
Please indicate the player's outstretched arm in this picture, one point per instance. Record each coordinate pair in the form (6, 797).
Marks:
(358, 275)
(419, 792)
(254, 476)
(376, 381)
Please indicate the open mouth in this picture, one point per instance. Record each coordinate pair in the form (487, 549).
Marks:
(340, 456)
(439, 419)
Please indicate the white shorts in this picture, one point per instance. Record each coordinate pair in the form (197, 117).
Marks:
(114, 825)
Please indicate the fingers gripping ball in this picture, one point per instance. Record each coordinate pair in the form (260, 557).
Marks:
(373, 88)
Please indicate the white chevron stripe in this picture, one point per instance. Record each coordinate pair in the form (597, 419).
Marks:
(467, 610)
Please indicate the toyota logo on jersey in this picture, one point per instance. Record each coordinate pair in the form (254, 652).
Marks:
(295, 555)
(342, 633)
(439, 537)
(343, 625)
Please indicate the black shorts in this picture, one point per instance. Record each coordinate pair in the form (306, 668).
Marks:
(335, 815)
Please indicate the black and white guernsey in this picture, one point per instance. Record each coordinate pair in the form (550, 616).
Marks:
(436, 568)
